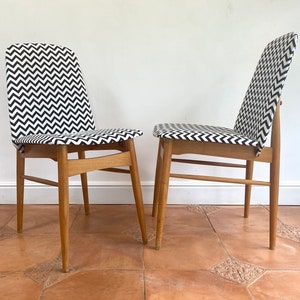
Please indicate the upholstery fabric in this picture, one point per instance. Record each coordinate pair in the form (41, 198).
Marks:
(47, 99)
(258, 108)
(91, 137)
(201, 133)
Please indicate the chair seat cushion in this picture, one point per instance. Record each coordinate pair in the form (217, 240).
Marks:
(201, 133)
(91, 137)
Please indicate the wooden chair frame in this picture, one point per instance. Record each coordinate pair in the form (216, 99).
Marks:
(270, 154)
(69, 167)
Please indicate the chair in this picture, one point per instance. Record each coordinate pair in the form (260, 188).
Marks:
(50, 117)
(246, 141)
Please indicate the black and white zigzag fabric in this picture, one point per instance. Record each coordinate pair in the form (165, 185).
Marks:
(201, 133)
(47, 99)
(258, 108)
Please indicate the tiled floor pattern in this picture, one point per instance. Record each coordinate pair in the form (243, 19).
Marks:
(208, 252)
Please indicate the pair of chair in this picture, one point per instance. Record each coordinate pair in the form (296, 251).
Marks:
(50, 117)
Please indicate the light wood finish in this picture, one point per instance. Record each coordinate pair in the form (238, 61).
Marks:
(20, 190)
(125, 157)
(84, 185)
(63, 194)
(136, 184)
(271, 155)
(40, 180)
(274, 177)
(248, 187)
(157, 179)
(163, 187)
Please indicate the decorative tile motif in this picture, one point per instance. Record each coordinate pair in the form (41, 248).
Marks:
(210, 209)
(135, 233)
(200, 209)
(288, 231)
(237, 271)
(41, 272)
(195, 208)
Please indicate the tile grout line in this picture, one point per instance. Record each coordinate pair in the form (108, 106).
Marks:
(217, 234)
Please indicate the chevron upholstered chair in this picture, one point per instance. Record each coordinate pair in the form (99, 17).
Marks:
(246, 141)
(50, 117)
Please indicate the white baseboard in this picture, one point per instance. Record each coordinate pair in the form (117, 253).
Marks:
(179, 193)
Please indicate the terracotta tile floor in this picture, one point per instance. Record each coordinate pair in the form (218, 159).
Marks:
(208, 252)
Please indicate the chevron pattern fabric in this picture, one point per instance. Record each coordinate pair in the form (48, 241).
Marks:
(47, 99)
(201, 133)
(258, 108)
(91, 137)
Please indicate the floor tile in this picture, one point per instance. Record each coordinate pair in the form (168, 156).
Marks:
(185, 220)
(252, 247)
(289, 215)
(103, 251)
(208, 252)
(106, 219)
(185, 252)
(7, 212)
(21, 252)
(191, 285)
(231, 219)
(109, 284)
(18, 286)
(277, 286)
(41, 219)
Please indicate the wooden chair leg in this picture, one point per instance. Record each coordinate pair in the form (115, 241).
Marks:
(137, 190)
(163, 190)
(274, 177)
(20, 190)
(84, 186)
(274, 191)
(248, 187)
(157, 180)
(63, 190)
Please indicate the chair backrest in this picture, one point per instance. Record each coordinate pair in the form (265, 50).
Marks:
(258, 108)
(46, 91)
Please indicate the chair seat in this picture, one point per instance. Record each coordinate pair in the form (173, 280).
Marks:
(91, 137)
(201, 133)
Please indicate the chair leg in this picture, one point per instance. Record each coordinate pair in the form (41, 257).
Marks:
(157, 180)
(84, 186)
(163, 189)
(274, 177)
(274, 180)
(248, 187)
(20, 190)
(274, 191)
(137, 190)
(63, 190)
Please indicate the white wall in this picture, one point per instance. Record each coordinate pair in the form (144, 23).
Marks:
(151, 61)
